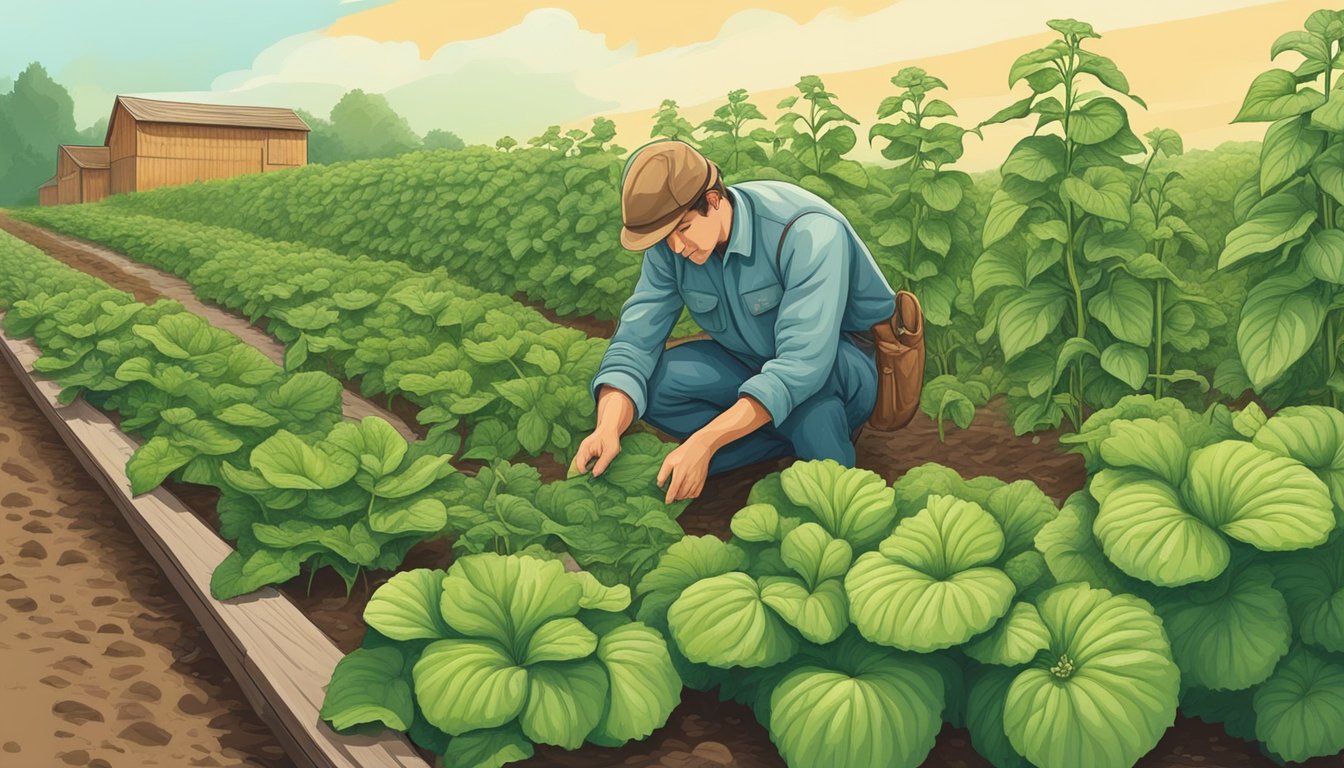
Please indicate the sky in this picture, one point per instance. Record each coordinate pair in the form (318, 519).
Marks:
(484, 68)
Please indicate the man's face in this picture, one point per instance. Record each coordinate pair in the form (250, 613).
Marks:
(696, 235)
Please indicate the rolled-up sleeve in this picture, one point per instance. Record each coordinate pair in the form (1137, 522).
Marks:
(814, 265)
(646, 321)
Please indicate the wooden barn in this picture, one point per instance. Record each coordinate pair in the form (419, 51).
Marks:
(47, 194)
(81, 174)
(155, 143)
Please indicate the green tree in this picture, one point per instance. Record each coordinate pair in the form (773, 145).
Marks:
(324, 146)
(506, 143)
(36, 116)
(367, 126)
(441, 139)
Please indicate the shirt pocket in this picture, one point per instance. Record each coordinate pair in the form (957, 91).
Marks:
(706, 310)
(761, 300)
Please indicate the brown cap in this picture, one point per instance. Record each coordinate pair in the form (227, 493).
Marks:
(662, 181)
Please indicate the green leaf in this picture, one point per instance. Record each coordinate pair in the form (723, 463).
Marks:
(1126, 362)
(1323, 256)
(1148, 444)
(1289, 146)
(1280, 320)
(1037, 158)
(1014, 640)
(814, 554)
(1026, 319)
(419, 516)
(565, 702)
(684, 563)
(297, 354)
(415, 478)
(1275, 220)
(1004, 213)
(1228, 634)
(305, 395)
(1071, 551)
(600, 597)
(1274, 95)
(286, 461)
(1312, 581)
(487, 748)
(533, 429)
(1248, 421)
(239, 575)
(1102, 191)
(928, 588)
(506, 599)
(1096, 121)
(563, 639)
(153, 462)
(721, 621)
(1313, 435)
(644, 687)
(876, 708)
(463, 685)
(406, 607)
(1118, 663)
(246, 415)
(367, 686)
(856, 505)
(757, 523)
(1300, 708)
(984, 717)
(820, 615)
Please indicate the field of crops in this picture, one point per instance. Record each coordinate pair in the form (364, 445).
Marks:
(1172, 320)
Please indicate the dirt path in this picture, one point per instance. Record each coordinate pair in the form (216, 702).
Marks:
(147, 284)
(101, 664)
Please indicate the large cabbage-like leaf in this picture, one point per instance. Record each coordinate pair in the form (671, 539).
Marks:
(506, 599)
(1173, 535)
(928, 587)
(1300, 708)
(1314, 435)
(644, 686)
(1229, 633)
(1104, 691)
(721, 621)
(984, 717)
(368, 686)
(852, 504)
(1073, 553)
(1014, 640)
(463, 685)
(876, 709)
(1313, 583)
(565, 701)
(286, 461)
(407, 606)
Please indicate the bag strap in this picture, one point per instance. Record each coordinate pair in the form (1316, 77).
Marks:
(779, 250)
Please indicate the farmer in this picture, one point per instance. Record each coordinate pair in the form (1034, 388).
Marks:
(777, 278)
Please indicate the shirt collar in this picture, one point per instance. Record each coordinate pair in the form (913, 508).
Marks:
(740, 236)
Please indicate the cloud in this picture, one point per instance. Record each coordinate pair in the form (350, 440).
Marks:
(547, 69)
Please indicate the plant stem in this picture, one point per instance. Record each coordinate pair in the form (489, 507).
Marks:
(1077, 306)
(1157, 385)
(1330, 357)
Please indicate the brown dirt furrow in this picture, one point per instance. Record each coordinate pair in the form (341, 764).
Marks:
(148, 284)
(101, 663)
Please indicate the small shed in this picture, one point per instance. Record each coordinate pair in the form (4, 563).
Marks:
(81, 174)
(47, 193)
(155, 143)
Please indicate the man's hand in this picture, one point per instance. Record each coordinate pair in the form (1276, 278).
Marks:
(602, 445)
(685, 469)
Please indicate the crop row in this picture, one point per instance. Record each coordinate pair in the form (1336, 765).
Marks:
(517, 382)
(298, 484)
(1202, 568)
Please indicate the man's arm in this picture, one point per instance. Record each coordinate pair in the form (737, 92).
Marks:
(688, 463)
(621, 384)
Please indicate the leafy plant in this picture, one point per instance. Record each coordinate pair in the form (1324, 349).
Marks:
(1286, 228)
(815, 152)
(497, 653)
(947, 397)
(728, 141)
(1064, 196)
(668, 123)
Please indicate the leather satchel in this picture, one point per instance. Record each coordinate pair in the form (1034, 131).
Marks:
(900, 364)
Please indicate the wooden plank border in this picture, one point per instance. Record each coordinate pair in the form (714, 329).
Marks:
(280, 659)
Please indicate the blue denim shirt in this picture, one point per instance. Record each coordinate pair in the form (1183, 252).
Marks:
(782, 319)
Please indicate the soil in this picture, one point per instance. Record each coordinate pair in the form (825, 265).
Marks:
(702, 732)
(109, 665)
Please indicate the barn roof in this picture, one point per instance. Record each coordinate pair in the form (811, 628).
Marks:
(87, 157)
(155, 111)
(48, 183)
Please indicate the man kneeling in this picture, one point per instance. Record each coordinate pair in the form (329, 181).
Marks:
(778, 279)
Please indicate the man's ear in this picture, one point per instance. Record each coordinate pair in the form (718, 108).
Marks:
(713, 198)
